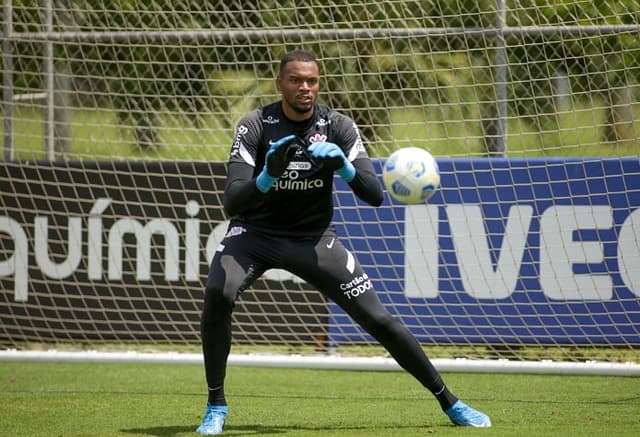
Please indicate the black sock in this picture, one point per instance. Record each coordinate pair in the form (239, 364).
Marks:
(445, 398)
(216, 396)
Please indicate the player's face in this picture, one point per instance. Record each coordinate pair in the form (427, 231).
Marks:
(299, 83)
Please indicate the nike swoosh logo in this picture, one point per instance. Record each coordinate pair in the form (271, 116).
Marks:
(330, 244)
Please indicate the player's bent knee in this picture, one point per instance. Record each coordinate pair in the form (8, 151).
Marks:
(216, 304)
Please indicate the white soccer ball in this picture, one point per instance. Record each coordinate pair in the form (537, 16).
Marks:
(411, 175)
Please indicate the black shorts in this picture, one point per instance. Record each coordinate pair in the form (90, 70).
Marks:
(323, 262)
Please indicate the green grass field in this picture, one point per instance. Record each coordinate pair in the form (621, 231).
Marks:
(47, 399)
(56, 399)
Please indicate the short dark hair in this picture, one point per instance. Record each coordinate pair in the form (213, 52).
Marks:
(296, 55)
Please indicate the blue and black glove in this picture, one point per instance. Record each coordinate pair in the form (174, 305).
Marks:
(277, 160)
(333, 158)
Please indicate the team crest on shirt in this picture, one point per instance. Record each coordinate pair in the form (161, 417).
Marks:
(317, 138)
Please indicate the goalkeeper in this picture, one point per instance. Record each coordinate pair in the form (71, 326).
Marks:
(279, 196)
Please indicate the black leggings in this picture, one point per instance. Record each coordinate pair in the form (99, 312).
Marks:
(322, 262)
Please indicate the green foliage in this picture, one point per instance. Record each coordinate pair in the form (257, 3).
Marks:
(145, 82)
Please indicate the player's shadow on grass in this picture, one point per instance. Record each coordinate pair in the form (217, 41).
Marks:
(245, 430)
(177, 430)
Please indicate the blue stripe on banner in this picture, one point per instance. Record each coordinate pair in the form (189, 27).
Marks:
(518, 251)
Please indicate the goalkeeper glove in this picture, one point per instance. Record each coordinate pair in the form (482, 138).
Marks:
(333, 158)
(277, 159)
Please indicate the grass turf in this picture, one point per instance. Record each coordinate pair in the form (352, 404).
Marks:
(58, 399)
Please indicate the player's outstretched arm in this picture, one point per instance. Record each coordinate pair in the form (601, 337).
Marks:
(365, 184)
(241, 191)
(333, 158)
(360, 173)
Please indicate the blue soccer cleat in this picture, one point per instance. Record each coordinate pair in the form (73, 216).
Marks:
(463, 415)
(213, 420)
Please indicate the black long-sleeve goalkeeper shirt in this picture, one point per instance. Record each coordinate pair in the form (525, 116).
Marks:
(301, 202)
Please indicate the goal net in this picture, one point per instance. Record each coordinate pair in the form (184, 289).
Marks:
(118, 119)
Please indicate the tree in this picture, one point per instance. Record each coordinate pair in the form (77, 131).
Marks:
(595, 65)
